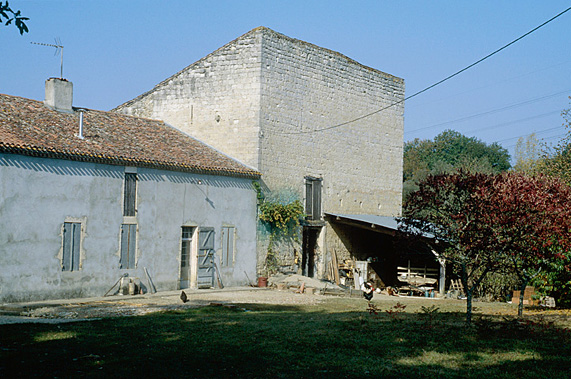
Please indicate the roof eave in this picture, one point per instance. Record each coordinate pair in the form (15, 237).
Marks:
(43, 152)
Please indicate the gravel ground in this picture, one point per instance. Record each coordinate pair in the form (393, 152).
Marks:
(86, 309)
(59, 311)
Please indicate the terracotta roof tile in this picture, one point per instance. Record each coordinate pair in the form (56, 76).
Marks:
(29, 127)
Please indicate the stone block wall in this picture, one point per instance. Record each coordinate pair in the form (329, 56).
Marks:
(306, 88)
(216, 99)
(275, 103)
(262, 99)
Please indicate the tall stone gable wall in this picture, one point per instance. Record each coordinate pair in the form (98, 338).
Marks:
(216, 99)
(306, 88)
(263, 99)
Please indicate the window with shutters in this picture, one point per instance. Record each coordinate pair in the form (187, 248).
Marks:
(228, 235)
(71, 246)
(313, 198)
(128, 245)
(130, 194)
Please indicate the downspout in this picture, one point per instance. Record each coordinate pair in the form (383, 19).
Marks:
(80, 135)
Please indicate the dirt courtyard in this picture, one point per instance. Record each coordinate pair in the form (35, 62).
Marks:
(59, 311)
(53, 311)
(69, 310)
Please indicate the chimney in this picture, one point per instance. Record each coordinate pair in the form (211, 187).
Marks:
(59, 94)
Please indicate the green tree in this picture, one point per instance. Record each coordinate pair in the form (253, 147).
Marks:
(557, 161)
(528, 154)
(555, 279)
(449, 151)
(7, 15)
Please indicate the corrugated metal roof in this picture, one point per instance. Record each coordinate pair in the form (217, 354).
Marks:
(384, 221)
(28, 127)
(387, 222)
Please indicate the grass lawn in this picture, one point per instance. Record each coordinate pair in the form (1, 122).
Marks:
(335, 339)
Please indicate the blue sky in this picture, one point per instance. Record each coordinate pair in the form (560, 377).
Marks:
(116, 50)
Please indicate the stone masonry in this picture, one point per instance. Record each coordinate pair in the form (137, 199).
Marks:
(292, 109)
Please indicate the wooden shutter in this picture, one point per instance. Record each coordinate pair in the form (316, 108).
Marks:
(128, 244)
(67, 242)
(76, 231)
(130, 195)
(227, 245)
(313, 198)
(309, 199)
(316, 209)
(71, 245)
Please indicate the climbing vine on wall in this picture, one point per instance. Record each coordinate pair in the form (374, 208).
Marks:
(278, 215)
(282, 218)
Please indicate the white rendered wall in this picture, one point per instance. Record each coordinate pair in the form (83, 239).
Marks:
(38, 195)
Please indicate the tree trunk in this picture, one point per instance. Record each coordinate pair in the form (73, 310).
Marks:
(524, 282)
(469, 307)
(468, 292)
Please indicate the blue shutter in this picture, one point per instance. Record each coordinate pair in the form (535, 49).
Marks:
(76, 238)
(132, 244)
(130, 195)
(71, 244)
(128, 244)
(67, 242)
(227, 245)
(124, 259)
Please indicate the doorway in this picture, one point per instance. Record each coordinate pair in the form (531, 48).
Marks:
(185, 256)
(309, 246)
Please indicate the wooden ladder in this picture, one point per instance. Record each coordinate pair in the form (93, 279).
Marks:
(456, 285)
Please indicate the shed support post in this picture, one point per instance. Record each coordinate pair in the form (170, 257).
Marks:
(442, 280)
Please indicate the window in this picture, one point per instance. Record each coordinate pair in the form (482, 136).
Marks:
(227, 258)
(185, 250)
(128, 244)
(71, 245)
(130, 194)
(313, 198)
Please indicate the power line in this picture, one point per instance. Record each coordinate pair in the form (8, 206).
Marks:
(490, 111)
(544, 140)
(496, 82)
(433, 85)
(539, 132)
(515, 121)
(495, 126)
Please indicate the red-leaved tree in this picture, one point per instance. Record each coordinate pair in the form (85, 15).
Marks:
(490, 223)
(527, 220)
(445, 206)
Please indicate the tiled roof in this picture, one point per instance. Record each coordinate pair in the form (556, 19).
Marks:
(28, 127)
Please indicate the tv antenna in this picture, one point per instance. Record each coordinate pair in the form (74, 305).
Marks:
(59, 49)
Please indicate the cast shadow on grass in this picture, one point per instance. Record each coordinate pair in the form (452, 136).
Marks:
(253, 340)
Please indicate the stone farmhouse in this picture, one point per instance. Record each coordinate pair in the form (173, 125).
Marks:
(88, 197)
(307, 118)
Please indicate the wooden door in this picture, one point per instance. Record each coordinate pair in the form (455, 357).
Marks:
(205, 272)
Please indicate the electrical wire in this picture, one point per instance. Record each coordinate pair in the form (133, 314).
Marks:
(541, 140)
(516, 121)
(511, 106)
(433, 85)
(536, 133)
(496, 83)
